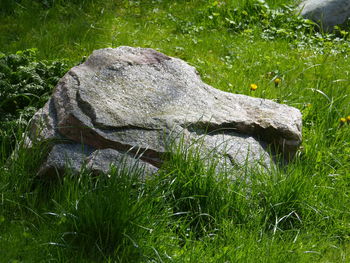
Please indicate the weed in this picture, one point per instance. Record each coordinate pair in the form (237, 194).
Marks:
(25, 86)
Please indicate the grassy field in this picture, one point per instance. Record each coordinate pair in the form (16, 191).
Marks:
(298, 213)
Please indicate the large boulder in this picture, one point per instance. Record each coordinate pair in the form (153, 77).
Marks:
(328, 13)
(132, 102)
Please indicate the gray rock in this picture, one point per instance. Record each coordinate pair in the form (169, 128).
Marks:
(328, 13)
(63, 156)
(135, 100)
(77, 157)
(100, 161)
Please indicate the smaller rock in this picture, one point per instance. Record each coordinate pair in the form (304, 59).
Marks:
(79, 156)
(61, 156)
(233, 150)
(100, 161)
(327, 13)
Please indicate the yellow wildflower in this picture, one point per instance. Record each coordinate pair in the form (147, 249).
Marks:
(342, 121)
(277, 81)
(253, 87)
(348, 119)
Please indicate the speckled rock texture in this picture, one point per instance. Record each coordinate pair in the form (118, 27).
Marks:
(327, 13)
(132, 101)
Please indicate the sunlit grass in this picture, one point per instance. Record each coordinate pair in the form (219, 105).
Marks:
(299, 213)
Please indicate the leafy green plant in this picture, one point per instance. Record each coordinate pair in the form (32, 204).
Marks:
(25, 86)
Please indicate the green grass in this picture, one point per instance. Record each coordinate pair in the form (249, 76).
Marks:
(190, 212)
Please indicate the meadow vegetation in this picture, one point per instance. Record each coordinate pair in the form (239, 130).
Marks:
(190, 212)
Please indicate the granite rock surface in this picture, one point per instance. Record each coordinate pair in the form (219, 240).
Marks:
(133, 101)
(327, 13)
